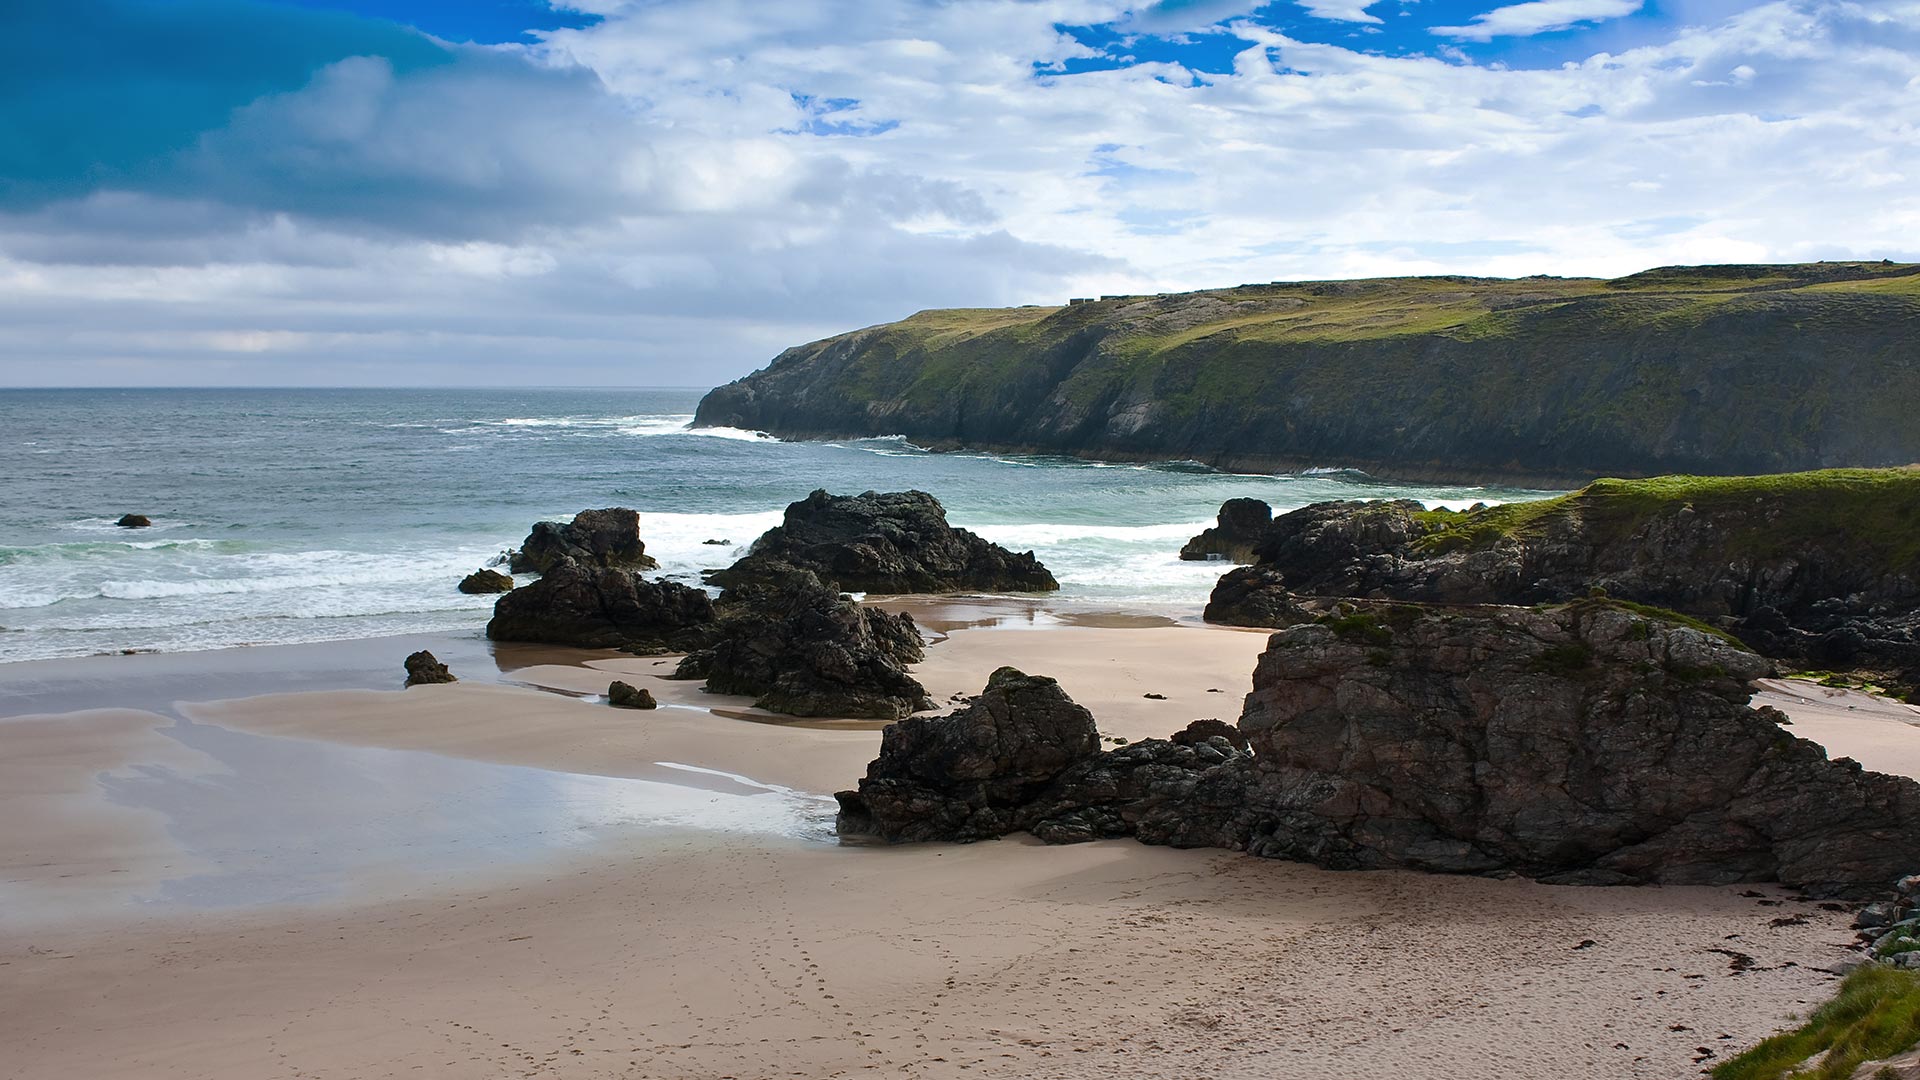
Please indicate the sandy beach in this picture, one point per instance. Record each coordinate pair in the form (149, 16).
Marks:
(504, 877)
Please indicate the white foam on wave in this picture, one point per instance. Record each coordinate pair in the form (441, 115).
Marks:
(1045, 534)
(736, 434)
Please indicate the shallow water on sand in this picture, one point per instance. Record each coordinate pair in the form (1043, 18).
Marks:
(260, 820)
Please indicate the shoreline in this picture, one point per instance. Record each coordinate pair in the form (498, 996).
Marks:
(603, 945)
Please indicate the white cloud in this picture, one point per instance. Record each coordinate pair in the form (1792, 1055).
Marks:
(1342, 10)
(1539, 17)
(665, 218)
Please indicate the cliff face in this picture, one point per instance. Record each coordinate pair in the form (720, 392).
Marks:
(1717, 370)
(1821, 566)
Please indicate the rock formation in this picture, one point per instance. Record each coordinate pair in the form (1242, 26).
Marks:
(423, 668)
(603, 607)
(1819, 567)
(1588, 743)
(800, 647)
(134, 521)
(622, 695)
(609, 537)
(485, 581)
(1241, 525)
(1023, 756)
(1585, 744)
(1254, 596)
(897, 542)
(1542, 381)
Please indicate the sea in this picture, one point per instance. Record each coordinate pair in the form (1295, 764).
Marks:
(285, 516)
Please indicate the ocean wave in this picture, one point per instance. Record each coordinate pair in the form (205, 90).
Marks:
(1050, 535)
(734, 433)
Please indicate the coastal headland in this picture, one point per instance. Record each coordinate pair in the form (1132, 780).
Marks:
(1541, 381)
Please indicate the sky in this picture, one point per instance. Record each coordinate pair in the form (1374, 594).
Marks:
(670, 192)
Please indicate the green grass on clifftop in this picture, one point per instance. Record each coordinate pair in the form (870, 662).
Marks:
(1877, 510)
(1875, 1016)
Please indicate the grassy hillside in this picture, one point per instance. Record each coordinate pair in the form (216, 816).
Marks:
(1720, 369)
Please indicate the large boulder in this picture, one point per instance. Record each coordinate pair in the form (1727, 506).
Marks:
(897, 542)
(800, 647)
(622, 695)
(1241, 525)
(606, 608)
(1023, 756)
(134, 521)
(1590, 743)
(609, 537)
(1254, 596)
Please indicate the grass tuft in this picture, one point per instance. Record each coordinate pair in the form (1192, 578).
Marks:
(1875, 1015)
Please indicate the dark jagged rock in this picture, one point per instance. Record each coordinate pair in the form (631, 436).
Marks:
(423, 669)
(1241, 525)
(603, 607)
(627, 696)
(1024, 756)
(800, 647)
(1584, 744)
(717, 543)
(1254, 596)
(483, 581)
(1547, 382)
(1815, 567)
(969, 775)
(1587, 744)
(609, 537)
(134, 521)
(1200, 731)
(897, 542)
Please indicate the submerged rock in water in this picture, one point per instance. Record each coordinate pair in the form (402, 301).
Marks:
(1242, 524)
(609, 537)
(800, 647)
(603, 607)
(423, 668)
(897, 542)
(486, 581)
(627, 696)
(134, 521)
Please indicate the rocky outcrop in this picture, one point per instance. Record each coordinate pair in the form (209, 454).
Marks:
(800, 647)
(1586, 744)
(1241, 525)
(1254, 596)
(622, 695)
(1817, 567)
(898, 542)
(606, 608)
(1583, 744)
(483, 581)
(608, 538)
(1023, 756)
(423, 669)
(1543, 381)
(134, 521)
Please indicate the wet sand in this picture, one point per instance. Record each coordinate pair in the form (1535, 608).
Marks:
(646, 947)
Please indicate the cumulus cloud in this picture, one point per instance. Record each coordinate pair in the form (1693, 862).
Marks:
(1342, 10)
(1539, 17)
(672, 195)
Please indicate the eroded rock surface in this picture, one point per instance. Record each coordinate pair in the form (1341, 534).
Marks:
(897, 542)
(800, 647)
(1581, 744)
(1241, 525)
(623, 695)
(1584, 744)
(609, 537)
(423, 669)
(606, 608)
(485, 581)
